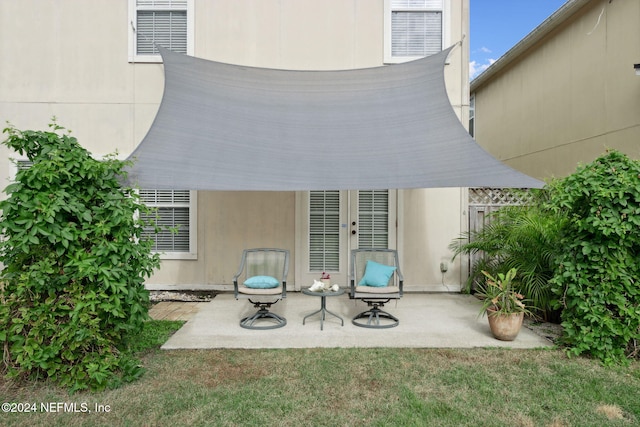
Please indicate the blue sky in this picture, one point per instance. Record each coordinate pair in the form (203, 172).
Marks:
(498, 25)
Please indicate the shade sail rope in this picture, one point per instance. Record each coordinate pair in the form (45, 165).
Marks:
(230, 127)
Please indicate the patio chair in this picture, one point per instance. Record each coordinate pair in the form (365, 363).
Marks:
(262, 279)
(375, 279)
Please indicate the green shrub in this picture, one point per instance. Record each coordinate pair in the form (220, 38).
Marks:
(596, 282)
(522, 237)
(74, 265)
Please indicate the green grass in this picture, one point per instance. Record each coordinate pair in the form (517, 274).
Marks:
(349, 387)
(153, 335)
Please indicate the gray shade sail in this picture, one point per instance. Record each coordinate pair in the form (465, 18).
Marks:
(230, 127)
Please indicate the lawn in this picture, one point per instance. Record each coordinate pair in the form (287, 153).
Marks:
(343, 387)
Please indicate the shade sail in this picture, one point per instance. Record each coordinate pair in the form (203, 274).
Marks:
(231, 127)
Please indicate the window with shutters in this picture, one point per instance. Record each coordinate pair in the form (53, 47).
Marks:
(324, 231)
(23, 164)
(17, 165)
(175, 215)
(413, 28)
(373, 219)
(168, 23)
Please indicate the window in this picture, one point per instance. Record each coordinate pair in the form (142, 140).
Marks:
(22, 165)
(168, 23)
(413, 28)
(17, 165)
(324, 231)
(176, 215)
(373, 218)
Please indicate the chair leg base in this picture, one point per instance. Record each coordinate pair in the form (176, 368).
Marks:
(254, 321)
(373, 317)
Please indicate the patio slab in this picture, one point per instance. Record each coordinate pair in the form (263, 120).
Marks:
(427, 320)
(174, 310)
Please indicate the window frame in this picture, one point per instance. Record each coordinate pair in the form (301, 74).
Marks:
(132, 25)
(373, 222)
(14, 166)
(329, 213)
(192, 253)
(388, 12)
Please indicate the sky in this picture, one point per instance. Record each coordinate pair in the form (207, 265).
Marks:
(498, 25)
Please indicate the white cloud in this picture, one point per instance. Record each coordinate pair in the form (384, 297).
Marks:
(483, 50)
(475, 68)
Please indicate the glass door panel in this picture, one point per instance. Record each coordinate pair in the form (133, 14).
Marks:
(331, 223)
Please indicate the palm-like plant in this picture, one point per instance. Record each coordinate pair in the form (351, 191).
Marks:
(521, 237)
(500, 296)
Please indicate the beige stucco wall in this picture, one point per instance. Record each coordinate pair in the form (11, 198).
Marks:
(569, 97)
(229, 222)
(71, 61)
(291, 34)
(429, 220)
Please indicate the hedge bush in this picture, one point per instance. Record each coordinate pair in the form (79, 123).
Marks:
(596, 281)
(74, 265)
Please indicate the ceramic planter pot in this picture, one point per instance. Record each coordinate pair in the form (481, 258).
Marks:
(505, 327)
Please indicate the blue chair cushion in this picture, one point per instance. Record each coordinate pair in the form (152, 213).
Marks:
(261, 282)
(376, 274)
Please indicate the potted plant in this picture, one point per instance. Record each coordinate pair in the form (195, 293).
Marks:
(504, 305)
(326, 279)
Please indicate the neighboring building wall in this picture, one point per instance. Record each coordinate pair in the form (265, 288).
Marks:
(69, 59)
(569, 96)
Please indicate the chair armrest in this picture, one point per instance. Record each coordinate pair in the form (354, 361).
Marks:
(352, 288)
(284, 289)
(238, 274)
(400, 279)
(235, 286)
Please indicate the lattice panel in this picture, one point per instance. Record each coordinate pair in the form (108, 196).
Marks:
(499, 196)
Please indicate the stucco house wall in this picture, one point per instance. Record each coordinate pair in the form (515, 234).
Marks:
(566, 92)
(69, 59)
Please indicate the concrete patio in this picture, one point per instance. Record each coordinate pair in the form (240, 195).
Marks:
(427, 320)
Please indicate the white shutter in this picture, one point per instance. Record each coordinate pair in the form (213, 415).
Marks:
(416, 33)
(166, 240)
(373, 219)
(415, 27)
(159, 197)
(172, 212)
(162, 4)
(416, 4)
(24, 164)
(163, 22)
(324, 231)
(165, 28)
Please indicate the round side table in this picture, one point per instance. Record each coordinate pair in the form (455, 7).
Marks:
(323, 304)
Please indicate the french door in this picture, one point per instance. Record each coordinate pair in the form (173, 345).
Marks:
(331, 223)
